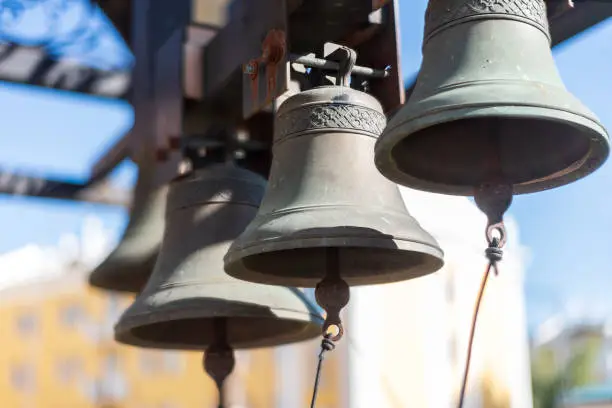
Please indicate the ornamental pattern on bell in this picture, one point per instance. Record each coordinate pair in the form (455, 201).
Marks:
(440, 12)
(330, 116)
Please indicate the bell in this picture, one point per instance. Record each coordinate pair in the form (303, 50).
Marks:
(189, 296)
(129, 266)
(324, 192)
(489, 106)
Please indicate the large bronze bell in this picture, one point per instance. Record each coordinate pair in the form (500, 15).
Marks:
(130, 264)
(324, 192)
(189, 297)
(489, 104)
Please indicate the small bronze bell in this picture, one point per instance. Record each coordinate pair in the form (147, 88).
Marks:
(189, 296)
(324, 192)
(129, 266)
(489, 104)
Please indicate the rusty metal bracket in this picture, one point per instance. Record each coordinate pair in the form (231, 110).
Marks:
(267, 76)
(257, 42)
(239, 42)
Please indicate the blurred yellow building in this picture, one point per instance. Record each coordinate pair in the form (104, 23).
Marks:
(58, 352)
(404, 345)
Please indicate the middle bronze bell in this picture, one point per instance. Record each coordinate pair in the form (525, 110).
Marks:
(324, 192)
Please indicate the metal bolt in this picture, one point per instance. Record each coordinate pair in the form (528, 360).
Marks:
(239, 154)
(250, 68)
(242, 135)
(185, 167)
(377, 4)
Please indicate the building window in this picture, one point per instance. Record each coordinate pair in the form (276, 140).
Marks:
(111, 365)
(114, 308)
(89, 388)
(173, 362)
(27, 324)
(149, 361)
(154, 362)
(452, 350)
(69, 369)
(450, 288)
(113, 383)
(23, 377)
(72, 315)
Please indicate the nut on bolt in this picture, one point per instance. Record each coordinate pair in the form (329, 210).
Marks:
(251, 68)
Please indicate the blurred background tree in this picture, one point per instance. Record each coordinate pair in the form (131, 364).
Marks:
(551, 379)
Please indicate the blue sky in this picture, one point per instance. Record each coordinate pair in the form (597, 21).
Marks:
(59, 134)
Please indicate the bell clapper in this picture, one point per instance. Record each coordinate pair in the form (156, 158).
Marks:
(332, 294)
(219, 358)
(494, 199)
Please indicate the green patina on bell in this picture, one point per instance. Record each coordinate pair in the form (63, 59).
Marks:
(489, 102)
(189, 299)
(324, 193)
(130, 264)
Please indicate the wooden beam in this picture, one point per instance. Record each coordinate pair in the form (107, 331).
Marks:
(34, 66)
(100, 193)
(119, 13)
(111, 158)
(584, 15)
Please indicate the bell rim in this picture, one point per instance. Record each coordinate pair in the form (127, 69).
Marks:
(234, 266)
(102, 285)
(599, 145)
(311, 328)
(108, 275)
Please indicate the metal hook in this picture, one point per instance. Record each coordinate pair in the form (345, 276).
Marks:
(490, 233)
(346, 65)
(328, 329)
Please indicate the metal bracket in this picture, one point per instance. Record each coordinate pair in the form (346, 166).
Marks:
(330, 64)
(239, 42)
(267, 76)
(257, 41)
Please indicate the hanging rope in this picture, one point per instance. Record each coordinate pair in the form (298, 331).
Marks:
(494, 254)
(326, 345)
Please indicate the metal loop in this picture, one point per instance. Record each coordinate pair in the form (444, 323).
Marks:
(328, 330)
(500, 228)
(343, 76)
